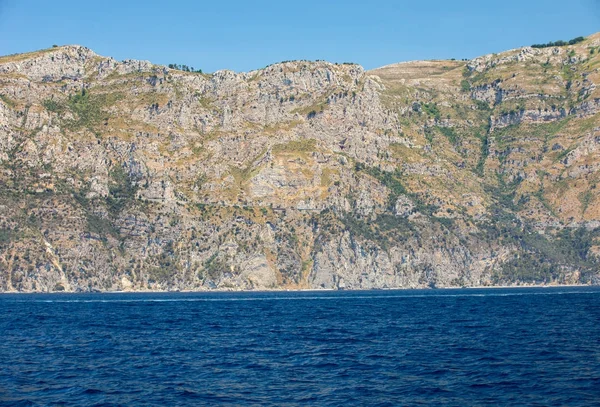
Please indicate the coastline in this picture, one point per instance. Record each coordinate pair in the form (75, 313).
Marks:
(298, 290)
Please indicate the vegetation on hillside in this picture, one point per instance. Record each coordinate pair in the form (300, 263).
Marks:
(184, 68)
(559, 43)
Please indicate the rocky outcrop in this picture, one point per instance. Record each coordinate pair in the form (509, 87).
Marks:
(527, 116)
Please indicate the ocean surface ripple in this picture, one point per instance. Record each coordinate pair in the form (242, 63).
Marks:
(379, 348)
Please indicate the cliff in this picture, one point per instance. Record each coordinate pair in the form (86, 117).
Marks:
(133, 176)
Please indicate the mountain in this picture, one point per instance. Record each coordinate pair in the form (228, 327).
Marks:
(134, 176)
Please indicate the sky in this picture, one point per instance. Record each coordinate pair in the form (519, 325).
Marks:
(243, 35)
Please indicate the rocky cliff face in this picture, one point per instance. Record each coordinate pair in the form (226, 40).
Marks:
(132, 176)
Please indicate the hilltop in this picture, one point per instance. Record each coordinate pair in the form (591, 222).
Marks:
(126, 175)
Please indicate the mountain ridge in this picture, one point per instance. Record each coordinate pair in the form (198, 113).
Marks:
(133, 176)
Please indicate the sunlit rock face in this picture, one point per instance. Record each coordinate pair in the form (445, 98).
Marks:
(133, 176)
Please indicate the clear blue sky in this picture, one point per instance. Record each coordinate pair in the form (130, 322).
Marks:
(248, 34)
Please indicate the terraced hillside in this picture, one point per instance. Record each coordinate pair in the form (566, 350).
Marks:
(133, 176)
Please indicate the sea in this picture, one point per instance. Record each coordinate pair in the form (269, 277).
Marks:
(460, 347)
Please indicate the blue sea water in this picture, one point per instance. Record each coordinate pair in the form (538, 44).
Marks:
(372, 348)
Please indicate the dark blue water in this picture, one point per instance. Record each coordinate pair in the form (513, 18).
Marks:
(388, 348)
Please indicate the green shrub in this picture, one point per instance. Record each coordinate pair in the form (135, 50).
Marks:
(449, 133)
(481, 105)
(390, 180)
(485, 152)
(432, 110)
(465, 86)
(121, 189)
(53, 106)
